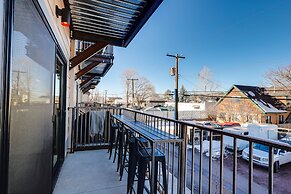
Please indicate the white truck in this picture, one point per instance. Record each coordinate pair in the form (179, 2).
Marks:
(241, 144)
(261, 155)
(264, 131)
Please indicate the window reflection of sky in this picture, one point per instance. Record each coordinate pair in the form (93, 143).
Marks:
(31, 79)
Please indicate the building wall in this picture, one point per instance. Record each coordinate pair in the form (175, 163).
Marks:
(237, 108)
(274, 117)
(61, 33)
(241, 109)
(183, 106)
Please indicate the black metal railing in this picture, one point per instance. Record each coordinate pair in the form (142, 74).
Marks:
(83, 138)
(188, 169)
(183, 167)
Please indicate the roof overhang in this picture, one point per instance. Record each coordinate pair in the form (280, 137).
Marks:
(115, 22)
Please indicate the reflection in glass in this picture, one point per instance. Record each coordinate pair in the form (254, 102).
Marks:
(33, 61)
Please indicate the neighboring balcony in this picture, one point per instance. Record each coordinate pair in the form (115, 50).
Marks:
(189, 170)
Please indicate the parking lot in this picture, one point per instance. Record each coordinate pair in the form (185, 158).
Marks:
(260, 176)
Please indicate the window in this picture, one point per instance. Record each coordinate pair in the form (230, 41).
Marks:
(268, 119)
(281, 119)
(33, 62)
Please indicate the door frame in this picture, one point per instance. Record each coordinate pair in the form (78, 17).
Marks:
(8, 12)
(62, 120)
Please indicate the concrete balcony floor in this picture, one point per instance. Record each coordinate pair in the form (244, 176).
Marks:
(89, 172)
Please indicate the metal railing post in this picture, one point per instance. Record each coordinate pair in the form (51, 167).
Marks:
(108, 125)
(182, 160)
(73, 129)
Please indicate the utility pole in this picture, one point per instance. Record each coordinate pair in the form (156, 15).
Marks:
(17, 83)
(105, 97)
(177, 57)
(132, 89)
(127, 93)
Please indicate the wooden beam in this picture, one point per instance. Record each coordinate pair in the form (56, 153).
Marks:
(90, 74)
(86, 69)
(86, 80)
(87, 53)
(89, 87)
(86, 89)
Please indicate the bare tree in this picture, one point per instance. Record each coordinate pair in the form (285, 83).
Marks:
(205, 80)
(96, 96)
(143, 89)
(280, 77)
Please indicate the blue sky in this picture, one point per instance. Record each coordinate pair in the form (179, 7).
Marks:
(237, 40)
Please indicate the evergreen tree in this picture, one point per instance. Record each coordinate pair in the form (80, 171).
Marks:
(168, 95)
(183, 95)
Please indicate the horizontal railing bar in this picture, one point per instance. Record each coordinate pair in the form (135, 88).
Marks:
(226, 133)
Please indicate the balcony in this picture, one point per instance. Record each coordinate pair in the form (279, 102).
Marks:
(89, 172)
(92, 172)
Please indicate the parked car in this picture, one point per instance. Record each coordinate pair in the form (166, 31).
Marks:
(261, 155)
(241, 144)
(212, 124)
(229, 124)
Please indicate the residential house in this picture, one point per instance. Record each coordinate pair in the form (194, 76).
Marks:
(250, 104)
(284, 95)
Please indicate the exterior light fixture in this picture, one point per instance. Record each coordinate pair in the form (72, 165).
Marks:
(65, 16)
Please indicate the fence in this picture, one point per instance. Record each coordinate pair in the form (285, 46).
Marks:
(186, 170)
(90, 127)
